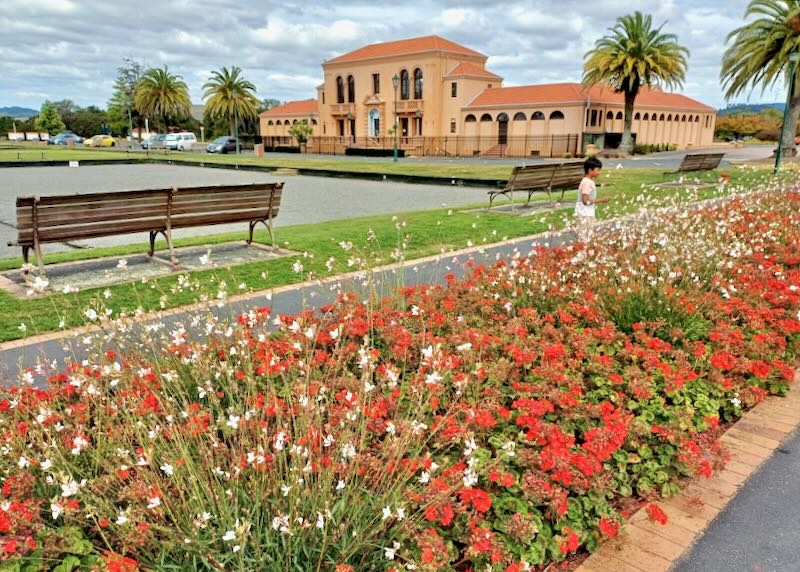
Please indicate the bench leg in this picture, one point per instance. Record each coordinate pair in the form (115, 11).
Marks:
(172, 256)
(153, 235)
(25, 253)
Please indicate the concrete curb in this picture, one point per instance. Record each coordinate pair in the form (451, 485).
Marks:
(645, 546)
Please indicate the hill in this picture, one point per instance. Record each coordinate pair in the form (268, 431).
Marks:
(18, 112)
(750, 108)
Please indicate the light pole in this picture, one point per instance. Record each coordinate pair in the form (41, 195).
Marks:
(793, 57)
(235, 119)
(395, 83)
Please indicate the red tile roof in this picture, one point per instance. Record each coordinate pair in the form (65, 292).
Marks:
(402, 47)
(298, 108)
(574, 93)
(472, 70)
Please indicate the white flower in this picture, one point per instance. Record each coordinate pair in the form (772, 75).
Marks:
(122, 518)
(233, 421)
(389, 553)
(340, 485)
(153, 502)
(387, 513)
(297, 267)
(23, 462)
(464, 347)
(168, 469)
(69, 489)
(401, 513)
(122, 264)
(228, 536)
(22, 328)
(56, 510)
(320, 520)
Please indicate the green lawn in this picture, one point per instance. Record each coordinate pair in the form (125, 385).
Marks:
(424, 233)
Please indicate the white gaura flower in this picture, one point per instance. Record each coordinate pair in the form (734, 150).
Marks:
(69, 489)
(153, 502)
(387, 513)
(228, 536)
(56, 510)
(167, 468)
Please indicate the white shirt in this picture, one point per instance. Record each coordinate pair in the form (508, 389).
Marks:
(587, 187)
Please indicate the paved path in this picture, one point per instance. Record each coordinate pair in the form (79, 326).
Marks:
(759, 530)
(305, 199)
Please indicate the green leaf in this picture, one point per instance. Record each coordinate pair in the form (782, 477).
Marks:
(68, 564)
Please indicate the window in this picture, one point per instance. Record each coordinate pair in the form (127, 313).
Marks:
(537, 116)
(376, 83)
(646, 117)
(339, 89)
(323, 98)
(404, 84)
(610, 116)
(470, 119)
(269, 122)
(502, 118)
(453, 89)
(661, 118)
(519, 116)
(452, 126)
(341, 127)
(619, 115)
(637, 117)
(351, 89)
(594, 118)
(486, 117)
(683, 119)
(417, 83)
(669, 117)
(556, 115)
(489, 86)
(708, 121)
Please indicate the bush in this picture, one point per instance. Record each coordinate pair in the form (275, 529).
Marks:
(492, 421)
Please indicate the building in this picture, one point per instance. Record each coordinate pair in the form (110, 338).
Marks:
(443, 101)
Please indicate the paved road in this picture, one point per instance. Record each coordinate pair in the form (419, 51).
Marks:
(305, 199)
(759, 530)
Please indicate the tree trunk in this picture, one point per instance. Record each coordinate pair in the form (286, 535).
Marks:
(791, 129)
(232, 126)
(626, 145)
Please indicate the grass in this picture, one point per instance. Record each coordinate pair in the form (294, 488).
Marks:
(338, 164)
(416, 234)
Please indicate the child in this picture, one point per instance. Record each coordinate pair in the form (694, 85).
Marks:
(587, 194)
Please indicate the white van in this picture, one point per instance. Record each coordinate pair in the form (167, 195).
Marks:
(180, 141)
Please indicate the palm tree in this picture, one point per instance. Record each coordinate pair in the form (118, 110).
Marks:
(632, 55)
(162, 94)
(227, 94)
(759, 54)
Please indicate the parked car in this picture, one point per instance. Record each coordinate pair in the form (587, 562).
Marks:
(180, 141)
(155, 141)
(222, 145)
(100, 141)
(62, 137)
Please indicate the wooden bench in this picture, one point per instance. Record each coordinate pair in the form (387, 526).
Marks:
(156, 211)
(542, 177)
(698, 162)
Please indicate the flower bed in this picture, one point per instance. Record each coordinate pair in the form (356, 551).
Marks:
(491, 423)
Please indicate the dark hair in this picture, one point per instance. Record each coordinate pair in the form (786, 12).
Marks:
(591, 163)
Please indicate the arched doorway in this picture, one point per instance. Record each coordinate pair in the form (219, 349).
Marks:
(502, 129)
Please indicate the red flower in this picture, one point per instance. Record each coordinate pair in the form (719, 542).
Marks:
(656, 514)
(609, 527)
(479, 499)
(571, 540)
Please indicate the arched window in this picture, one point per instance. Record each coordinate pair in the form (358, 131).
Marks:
(503, 117)
(339, 89)
(519, 116)
(683, 118)
(609, 115)
(404, 84)
(646, 117)
(537, 116)
(661, 118)
(374, 126)
(351, 89)
(638, 116)
(619, 115)
(470, 119)
(269, 122)
(669, 117)
(313, 122)
(486, 117)
(697, 119)
(452, 126)
(417, 83)
(294, 122)
(556, 115)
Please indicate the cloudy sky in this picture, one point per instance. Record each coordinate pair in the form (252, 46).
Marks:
(70, 49)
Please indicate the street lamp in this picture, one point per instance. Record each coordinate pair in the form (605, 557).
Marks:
(793, 57)
(395, 83)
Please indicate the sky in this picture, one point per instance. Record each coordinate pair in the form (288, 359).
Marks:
(71, 49)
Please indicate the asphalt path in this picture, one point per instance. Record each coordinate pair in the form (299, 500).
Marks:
(306, 200)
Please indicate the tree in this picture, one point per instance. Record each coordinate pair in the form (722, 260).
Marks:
(632, 55)
(759, 54)
(66, 108)
(89, 121)
(267, 104)
(121, 106)
(49, 120)
(301, 131)
(229, 95)
(162, 94)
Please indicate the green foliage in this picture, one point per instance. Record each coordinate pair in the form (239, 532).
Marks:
(301, 131)
(49, 120)
(229, 95)
(162, 94)
(632, 55)
(121, 107)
